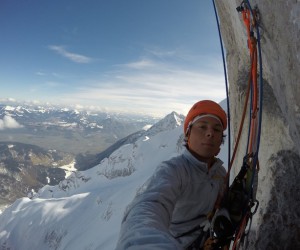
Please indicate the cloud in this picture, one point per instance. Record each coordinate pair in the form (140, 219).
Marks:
(142, 64)
(39, 73)
(9, 123)
(71, 56)
(9, 99)
(162, 53)
(152, 87)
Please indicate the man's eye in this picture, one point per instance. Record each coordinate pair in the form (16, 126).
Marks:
(217, 129)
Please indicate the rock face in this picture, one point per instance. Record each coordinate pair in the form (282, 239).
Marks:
(276, 225)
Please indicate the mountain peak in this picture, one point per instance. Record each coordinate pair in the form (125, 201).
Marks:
(169, 122)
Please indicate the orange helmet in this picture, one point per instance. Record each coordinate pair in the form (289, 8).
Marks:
(205, 107)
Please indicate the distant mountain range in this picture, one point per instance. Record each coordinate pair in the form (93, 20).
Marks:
(38, 144)
(65, 129)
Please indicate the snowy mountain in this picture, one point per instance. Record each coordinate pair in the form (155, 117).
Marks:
(166, 123)
(85, 210)
(67, 129)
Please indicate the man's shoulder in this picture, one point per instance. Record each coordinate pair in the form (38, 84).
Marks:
(175, 162)
(176, 165)
(220, 169)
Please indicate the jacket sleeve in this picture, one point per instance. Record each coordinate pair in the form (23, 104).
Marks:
(146, 222)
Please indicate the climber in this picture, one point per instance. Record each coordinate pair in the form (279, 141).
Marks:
(173, 209)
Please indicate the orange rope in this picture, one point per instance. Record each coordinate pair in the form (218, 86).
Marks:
(251, 41)
(246, 18)
(219, 199)
(242, 120)
(253, 122)
(252, 82)
(240, 233)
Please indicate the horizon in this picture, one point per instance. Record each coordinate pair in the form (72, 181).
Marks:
(79, 108)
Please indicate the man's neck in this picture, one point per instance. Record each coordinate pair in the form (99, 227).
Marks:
(209, 161)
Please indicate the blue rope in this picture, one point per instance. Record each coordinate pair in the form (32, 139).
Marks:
(255, 156)
(250, 115)
(226, 84)
(260, 88)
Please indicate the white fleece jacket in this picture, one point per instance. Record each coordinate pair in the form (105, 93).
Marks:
(177, 198)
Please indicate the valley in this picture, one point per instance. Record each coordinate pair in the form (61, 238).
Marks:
(38, 144)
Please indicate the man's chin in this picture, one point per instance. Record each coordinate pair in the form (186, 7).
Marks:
(203, 156)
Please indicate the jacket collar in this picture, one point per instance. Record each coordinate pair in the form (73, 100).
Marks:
(200, 164)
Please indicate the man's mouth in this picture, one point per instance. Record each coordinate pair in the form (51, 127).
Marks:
(208, 144)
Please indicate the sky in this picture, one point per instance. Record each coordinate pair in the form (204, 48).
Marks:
(151, 57)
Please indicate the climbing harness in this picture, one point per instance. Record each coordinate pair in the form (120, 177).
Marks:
(241, 197)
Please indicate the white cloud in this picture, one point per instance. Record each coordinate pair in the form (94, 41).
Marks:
(39, 73)
(9, 99)
(162, 53)
(152, 87)
(142, 64)
(69, 55)
(160, 82)
(8, 123)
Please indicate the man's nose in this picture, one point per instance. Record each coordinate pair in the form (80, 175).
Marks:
(210, 132)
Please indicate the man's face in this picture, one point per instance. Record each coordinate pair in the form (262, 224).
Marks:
(205, 138)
